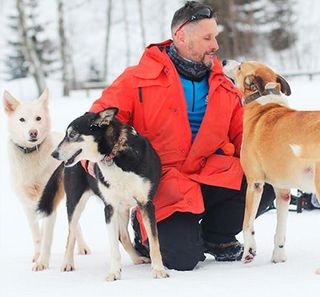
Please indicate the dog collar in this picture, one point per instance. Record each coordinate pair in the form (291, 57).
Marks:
(116, 148)
(28, 150)
(257, 95)
(251, 98)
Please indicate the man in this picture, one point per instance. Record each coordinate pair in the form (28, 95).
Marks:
(178, 97)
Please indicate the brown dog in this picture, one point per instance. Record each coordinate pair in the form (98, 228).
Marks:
(274, 148)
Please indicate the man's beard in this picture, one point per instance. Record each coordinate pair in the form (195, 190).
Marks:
(209, 62)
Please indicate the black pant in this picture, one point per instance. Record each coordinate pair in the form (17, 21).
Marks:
(181, 236)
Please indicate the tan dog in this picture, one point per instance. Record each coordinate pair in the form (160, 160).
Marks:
(274, 135)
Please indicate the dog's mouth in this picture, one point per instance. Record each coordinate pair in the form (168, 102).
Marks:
(70, 161)
(33, 139)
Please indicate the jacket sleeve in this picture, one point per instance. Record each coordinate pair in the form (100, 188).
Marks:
(119, 94)
(236, 126)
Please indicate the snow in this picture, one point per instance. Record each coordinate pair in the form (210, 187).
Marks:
(261, 278)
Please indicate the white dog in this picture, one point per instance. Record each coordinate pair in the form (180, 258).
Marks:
(30, 146)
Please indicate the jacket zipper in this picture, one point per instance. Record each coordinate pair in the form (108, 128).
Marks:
(193, 96)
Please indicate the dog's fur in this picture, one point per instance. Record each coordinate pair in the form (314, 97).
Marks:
(274, 135)
(127, 171)
(30, 145)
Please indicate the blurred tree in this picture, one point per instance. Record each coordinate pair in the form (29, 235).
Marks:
(282, 35)
(94, 74)
(141, 20)
(245, 23)
(29, 47)
(31, 51)
(126, 31)
(106, 46)
(66, 79)
(17, 65)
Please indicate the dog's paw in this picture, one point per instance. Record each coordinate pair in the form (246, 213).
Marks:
(249, 255)
(160, 273)
(38, 266)
(279, 256)
(84, 250)
(318, 271)
(141, 260)
(67, 267)
(112, 276)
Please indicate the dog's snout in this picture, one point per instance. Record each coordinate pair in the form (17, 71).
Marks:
(33, 133)
(224, 62)
(55, 154)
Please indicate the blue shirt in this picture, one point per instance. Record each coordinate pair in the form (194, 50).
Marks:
(196, 94)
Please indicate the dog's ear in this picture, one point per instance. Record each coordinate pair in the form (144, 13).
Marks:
(285, 88)
(10, 103)
(44, 97)
(254, 82)
(106, 116)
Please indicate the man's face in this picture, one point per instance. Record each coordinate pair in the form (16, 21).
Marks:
(197, 41)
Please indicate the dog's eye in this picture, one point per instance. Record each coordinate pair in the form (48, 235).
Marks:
(72, 135)
(22, 120)
(38, 119)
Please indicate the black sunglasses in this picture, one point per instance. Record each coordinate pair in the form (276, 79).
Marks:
(203, 13)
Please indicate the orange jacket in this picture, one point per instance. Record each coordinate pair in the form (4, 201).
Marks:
(150, 98)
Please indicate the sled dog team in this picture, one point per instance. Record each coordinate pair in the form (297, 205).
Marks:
(278, 148)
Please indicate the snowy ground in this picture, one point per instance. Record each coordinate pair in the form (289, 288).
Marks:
(296, 277)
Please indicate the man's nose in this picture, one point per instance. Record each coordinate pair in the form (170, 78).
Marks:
(215, 45)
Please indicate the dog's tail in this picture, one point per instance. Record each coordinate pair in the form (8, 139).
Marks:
(53, 192)
(309, 151)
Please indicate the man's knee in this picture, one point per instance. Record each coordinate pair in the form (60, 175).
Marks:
(181, 244)
(181, 260)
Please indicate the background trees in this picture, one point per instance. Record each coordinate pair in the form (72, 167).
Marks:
(245, 23)
(94, 40)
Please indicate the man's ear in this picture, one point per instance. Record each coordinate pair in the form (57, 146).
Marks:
(285, 87)
(179, 37)
(254, 82)
(106, 116)
(10, 103)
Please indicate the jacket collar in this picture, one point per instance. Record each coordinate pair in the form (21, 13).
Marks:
(157, 53)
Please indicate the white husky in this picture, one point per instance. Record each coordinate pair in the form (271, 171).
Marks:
(30, 146)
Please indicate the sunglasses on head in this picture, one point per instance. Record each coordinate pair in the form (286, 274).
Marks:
(203, 13)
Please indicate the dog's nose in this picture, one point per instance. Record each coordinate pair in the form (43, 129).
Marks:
(55, 154)
(224, 62)
(33, 133)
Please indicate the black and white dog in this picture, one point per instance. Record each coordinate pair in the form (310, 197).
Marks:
(127, 171)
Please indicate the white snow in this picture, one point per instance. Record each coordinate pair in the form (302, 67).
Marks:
(261, 278)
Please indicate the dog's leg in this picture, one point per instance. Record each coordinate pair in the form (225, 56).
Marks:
(253, 197)
(317, 180)
(46, 241)
(317, 185)
(124, 215)
(113, 234)
(149, 221)
(282, 203)
(83, 248)
(35, 230)
(74, 216)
